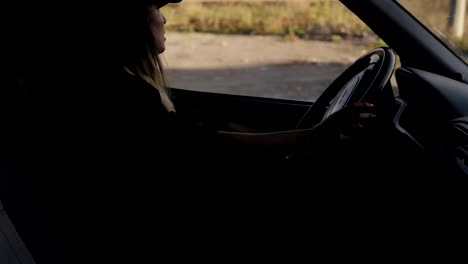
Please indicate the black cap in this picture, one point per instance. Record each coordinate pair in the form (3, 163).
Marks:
(161, 3)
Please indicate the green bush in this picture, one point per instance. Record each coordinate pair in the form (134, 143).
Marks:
(302, 18)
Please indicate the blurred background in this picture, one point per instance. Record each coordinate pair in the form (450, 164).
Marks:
(289, 49)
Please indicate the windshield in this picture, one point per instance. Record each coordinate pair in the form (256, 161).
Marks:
(446, 19)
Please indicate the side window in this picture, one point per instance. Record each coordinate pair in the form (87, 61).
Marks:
(276, 49)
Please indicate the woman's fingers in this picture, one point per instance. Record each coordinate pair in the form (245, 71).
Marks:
(356, 109)
(366, 116)
(363, 119)
(358, 125)
(360, 106)
(352, 120)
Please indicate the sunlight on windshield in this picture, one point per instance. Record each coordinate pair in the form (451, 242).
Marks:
(446, 19)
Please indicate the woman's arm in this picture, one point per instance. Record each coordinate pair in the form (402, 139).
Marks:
(281, 141)
(342, 125)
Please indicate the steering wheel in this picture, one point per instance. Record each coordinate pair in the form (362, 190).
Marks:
(364, 80)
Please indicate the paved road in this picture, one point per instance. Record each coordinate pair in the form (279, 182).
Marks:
(265, 66)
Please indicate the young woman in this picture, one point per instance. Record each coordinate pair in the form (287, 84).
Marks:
(115, 171)
(143, 40)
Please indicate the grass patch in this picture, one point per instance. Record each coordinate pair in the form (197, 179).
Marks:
(308, 19)
(302, 19)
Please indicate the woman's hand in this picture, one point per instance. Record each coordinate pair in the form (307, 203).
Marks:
(350, 121)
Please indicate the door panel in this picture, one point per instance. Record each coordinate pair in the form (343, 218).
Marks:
(239, 113)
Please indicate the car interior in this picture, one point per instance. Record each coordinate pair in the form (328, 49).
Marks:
(421, 137)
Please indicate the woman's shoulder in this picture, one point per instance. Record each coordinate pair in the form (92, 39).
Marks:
(126, 80)
(132, 92)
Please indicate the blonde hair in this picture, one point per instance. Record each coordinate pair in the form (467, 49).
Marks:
(150, 69)
(135, 50)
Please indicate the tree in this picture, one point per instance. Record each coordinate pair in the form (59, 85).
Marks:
(457, 17)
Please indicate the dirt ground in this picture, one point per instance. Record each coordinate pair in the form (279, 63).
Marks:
(267, 66)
